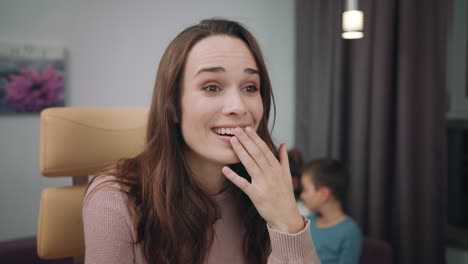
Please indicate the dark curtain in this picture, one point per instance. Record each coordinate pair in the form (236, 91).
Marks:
(378, 104)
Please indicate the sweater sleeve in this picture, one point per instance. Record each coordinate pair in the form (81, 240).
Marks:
(107, 227)
(292, 248)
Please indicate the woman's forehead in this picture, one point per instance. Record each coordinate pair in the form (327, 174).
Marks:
(221, 52)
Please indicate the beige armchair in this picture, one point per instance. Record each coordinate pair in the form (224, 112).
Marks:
(76, 142)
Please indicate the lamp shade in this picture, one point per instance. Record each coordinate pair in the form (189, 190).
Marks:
(353, 20)
(352, 35)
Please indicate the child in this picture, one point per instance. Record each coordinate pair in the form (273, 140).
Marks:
(336, 236)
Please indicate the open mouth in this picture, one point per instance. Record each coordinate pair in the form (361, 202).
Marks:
(226, 132)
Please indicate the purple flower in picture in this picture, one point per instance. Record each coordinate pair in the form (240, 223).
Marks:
(31, 91)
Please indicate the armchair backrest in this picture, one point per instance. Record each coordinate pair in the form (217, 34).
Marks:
(376, 251)
(78, 142)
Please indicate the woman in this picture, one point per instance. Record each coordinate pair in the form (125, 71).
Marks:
(207, 188)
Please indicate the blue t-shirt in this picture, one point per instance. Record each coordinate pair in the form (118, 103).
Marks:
(338, 244)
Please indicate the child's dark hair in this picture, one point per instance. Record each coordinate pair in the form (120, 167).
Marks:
(295, 162)
(329, 173)
(295, 167)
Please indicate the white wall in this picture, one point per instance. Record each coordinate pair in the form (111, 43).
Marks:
(114, 48)
(456, 61)
(456, 256)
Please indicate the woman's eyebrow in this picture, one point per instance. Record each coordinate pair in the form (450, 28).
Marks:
(251, 71)
(210, 69)
(221, 69)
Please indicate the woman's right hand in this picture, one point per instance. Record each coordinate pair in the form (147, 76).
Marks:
(271, 189)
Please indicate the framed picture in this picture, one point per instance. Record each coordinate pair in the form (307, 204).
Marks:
(31, 77)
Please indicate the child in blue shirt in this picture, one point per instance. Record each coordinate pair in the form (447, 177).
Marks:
(337, 238)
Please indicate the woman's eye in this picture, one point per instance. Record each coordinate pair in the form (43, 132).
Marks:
(250, 89)
(211, 88)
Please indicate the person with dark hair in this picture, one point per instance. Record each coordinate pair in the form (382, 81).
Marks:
(209, 186)
(295, 166)
(337, 237)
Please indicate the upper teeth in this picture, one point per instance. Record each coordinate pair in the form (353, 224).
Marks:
(224, 131)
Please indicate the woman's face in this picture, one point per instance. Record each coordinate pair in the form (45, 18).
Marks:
(220, 91)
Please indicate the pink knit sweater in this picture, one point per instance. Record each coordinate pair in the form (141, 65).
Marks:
(110, 236)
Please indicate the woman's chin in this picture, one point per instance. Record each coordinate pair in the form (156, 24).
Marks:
(231, 159)
(226, 156)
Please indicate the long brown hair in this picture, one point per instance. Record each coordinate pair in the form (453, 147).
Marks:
(173, 217)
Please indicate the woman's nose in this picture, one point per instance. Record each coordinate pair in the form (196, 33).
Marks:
(234, 103)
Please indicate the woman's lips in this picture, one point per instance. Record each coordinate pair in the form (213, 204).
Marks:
(226, 129)
(224, 138)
